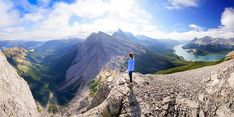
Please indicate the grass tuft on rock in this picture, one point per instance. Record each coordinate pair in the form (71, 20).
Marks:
(93, 86)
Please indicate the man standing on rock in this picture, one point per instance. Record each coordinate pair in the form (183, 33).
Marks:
(131, 63)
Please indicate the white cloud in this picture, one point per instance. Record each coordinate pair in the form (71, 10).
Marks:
(195, 27)
(178, 4)
(44, 3)
(9, 16)
(225, 30)
(107, 16)
(227, 19)
(92, 16)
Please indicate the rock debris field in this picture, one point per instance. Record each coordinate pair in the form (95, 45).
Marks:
(203, 92)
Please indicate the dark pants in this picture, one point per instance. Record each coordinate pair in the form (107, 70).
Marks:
(130, 75)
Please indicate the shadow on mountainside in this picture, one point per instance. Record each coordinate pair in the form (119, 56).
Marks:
(135, 108)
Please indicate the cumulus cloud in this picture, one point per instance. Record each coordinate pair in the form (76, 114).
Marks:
(9, 16)
(44, 3)
(83, 17)
(179, 4)
(227, 19)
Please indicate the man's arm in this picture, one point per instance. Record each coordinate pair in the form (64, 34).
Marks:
(133, 64)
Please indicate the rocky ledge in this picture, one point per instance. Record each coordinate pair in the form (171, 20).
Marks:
(204, 92)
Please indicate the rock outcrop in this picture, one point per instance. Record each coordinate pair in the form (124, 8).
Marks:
(16, 99)
(204, 92)
(230, 55)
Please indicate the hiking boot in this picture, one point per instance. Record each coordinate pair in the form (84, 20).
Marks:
(130, 85)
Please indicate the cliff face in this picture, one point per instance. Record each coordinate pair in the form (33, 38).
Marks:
(204, 92)
(16, 99)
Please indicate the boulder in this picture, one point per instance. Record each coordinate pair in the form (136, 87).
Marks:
(230, 55)
(114, 106)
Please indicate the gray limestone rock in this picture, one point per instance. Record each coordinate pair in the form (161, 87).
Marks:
(16, 99)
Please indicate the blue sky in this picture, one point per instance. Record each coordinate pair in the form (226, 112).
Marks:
(57, 19)
(206, 14)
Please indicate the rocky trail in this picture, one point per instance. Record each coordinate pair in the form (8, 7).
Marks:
(204, 92)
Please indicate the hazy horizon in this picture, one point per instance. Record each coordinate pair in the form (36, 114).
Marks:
(84, 38)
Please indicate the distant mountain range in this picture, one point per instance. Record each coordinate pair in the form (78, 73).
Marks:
(81, 76)
(102, 51)
(63, 66)
(208, 44)
(19, 43)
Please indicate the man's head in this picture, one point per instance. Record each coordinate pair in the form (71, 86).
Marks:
(131, 55)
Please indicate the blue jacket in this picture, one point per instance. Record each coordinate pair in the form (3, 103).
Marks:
(131, 63)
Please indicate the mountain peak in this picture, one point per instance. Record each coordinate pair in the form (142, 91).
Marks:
(94, 37)
(100, 32)
(124, 35)
(207, 37)
(195, 39)
(120, 30)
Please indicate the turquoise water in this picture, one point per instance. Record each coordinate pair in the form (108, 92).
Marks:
(191, 57)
